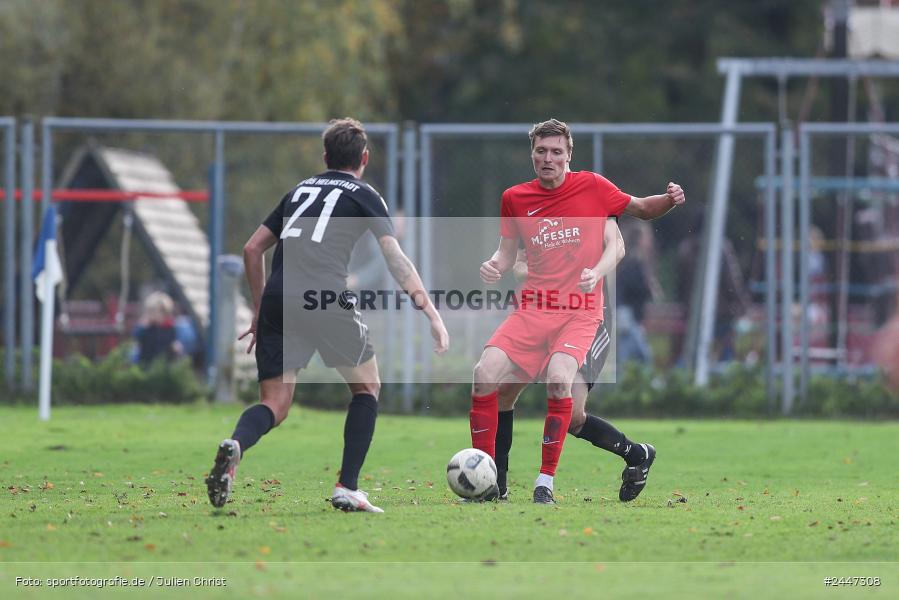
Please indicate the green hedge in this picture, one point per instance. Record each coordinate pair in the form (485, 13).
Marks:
(79, 380)
(738, 392)
(641, 392)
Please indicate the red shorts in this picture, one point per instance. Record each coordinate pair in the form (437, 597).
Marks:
(530, 338)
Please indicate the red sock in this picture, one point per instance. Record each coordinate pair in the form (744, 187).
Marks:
(558, 417)
(483, 418)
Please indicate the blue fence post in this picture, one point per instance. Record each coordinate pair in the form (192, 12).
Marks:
(26, 305)
(9, 252)
(216, 234)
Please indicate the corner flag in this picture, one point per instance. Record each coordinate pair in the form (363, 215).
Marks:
(47, 274)
(47, 270)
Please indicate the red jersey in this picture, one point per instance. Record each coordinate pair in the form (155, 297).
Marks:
(562, 232)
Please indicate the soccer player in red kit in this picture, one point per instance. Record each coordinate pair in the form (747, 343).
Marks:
(560, 218)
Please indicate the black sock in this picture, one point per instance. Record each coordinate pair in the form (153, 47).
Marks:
(603, 434)
(357, 433)
(503, 446)
(254, 423)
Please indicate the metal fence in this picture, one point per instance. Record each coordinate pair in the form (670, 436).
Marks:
(459, 171)
(52, 127)
(464, 169)
(853, 219)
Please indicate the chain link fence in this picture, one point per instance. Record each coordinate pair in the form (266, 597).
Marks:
(465, 169)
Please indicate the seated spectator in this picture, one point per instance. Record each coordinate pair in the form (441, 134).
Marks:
(156, 335)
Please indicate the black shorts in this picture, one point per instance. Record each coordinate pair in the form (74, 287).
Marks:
(339, 335)
(596, 356)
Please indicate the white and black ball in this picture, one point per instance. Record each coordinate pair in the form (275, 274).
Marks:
(471, 473)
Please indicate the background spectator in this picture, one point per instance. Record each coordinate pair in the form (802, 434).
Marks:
(155, 335)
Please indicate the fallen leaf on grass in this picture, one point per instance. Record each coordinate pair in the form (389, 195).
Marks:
(47, 486)
(765, 493)
(776, 518)
(260, 565)
(563, 532)
(741, 507)
(51, 527)
(588, 531)
(150, 547)
(813, 524)
(265, 550)
(4, 544)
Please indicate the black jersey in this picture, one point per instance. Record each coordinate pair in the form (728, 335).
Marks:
(318, 223)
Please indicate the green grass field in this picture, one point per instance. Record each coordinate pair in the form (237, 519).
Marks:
(118, 491)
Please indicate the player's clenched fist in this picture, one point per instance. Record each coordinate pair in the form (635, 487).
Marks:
(490, 272)
(675, 194)
(588, 280)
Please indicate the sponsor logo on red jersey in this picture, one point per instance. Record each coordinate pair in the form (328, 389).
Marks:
(552, 233)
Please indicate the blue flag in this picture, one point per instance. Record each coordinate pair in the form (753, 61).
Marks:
(47, 267)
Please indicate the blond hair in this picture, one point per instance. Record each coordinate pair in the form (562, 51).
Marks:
(158, 306)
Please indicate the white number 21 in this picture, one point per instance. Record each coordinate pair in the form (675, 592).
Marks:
(318, 233)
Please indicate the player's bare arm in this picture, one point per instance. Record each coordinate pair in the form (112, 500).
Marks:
(613, 253)
(651, 207)
(501, 261)
(520, 268)
(407, 277)
(254, 266)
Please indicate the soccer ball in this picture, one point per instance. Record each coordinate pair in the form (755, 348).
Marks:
(471, 473)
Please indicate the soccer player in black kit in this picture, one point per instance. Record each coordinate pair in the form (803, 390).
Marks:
(304, 307)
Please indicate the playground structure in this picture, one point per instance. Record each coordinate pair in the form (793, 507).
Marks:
(735, 70)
